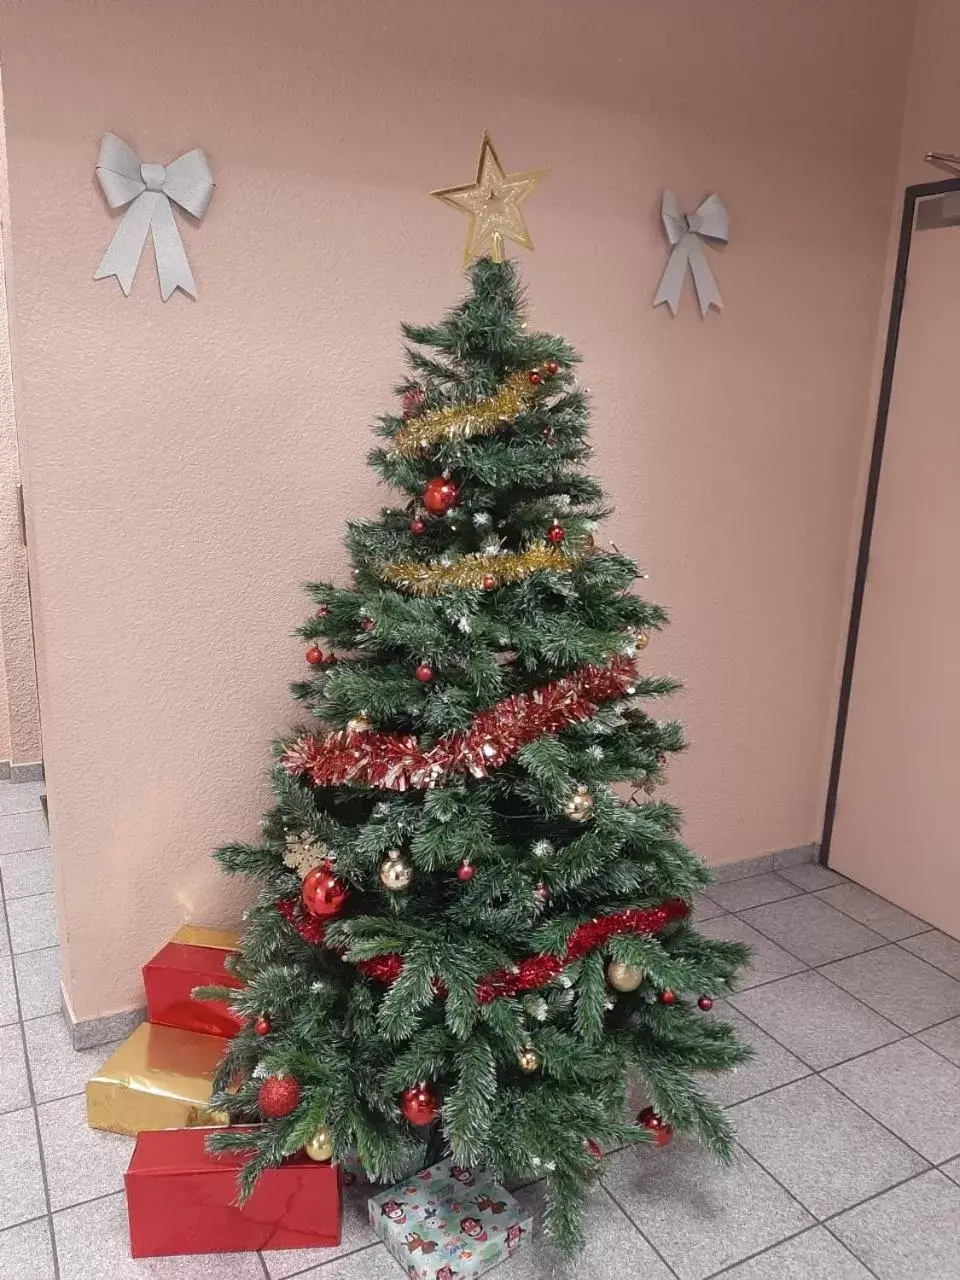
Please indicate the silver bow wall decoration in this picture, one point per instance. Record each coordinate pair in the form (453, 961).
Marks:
(685, 231)
(148, 190)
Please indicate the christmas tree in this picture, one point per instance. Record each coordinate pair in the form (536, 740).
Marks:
(467, 940)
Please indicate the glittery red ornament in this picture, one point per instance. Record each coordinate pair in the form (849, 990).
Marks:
(705, 1003)
(464, 871)
(417, 526)
(489, 582)
(424, 673)
(667, 996)
(323, 894)
(263, 1026)
(440, 494)
(314, 656)
(535, 378)
(552, 368)
(412, 401)
(662, 1132)
(556, 533)
(420, 1103)
(278, 1096)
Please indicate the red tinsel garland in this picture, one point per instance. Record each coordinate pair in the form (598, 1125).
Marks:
(529, 974)
(396, 762)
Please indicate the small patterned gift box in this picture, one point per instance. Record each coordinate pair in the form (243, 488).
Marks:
(448, 1223)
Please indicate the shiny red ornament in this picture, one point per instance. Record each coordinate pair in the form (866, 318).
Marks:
(556, 533)
(315, 656)
(420, 1103)
(323, 611)
(417, 526)
(424, 673)
(662, 1132)
(263, 1026)
(440, 494)
(542, 893)
(667, 996)
(705, 1003)
(465, 871)
(367, 624)
(489, 582)
(323, 894)
(552, 368)
(594, 1149)
(535, 378)
(278, 1096)
(412, 401)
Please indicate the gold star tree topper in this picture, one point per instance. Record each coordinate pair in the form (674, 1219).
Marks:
(492, 204)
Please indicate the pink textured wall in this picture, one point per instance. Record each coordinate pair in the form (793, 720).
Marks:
(188, 464)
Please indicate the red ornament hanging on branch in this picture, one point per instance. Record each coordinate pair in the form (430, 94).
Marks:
(420, 1103)
(440, 495)
(323, 894)
(278, 1096)
(662, 1132)
(556, 533)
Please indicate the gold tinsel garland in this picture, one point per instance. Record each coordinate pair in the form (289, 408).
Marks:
(432, 578)
(460, 422)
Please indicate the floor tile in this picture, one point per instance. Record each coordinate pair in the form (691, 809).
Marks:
(770, 1066)
(952, 1170)
(945, 1038)
(767, 962)
(356, 1233)
(821, 1147)
(698, 1216)
(938, 949)
(815, 1255)
(875, 912)
(705, 908)
(815, 1020)
(8, 993)
(738, 895)
(911, 1233)
(57, 1069)
(745, 867)
(25, 874)
(26, 1252)
(20, 831)
(19, 797)
(33, 923)
(38, 981)
(901, 986)
(21, 1186)
(368, 1264)
(811, 929)
(911, 1090)
(93, 1244)
(81, 1163)
(811, 876)
(14, 1086)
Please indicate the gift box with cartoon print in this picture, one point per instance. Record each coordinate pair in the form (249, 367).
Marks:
(448, 1223)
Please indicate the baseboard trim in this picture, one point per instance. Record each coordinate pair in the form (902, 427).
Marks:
(90, 1032)
(765, 862)
(26, 772)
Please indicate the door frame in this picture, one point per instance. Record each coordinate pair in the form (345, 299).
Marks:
(912, 194)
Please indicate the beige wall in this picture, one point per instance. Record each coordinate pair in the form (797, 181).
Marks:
(188, 465)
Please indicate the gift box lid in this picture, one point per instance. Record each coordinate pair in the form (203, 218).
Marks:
(163, 1151)
(198, 935)
(193, 959)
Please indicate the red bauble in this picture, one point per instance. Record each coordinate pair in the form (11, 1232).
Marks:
(424, 673)
(548, 435)
(412, 401)
(263, 1026)
(440, 494)
(367, 624)
(662, 1132)
(552, 368)
(541, 892)
(278, 1096)
(556, 533)
(667, 996)
(417, 526)
(323, 611)
(323, 894)
(705, 1003)
(420, 1103)
(489, 582)
(314, 656)
(464, 871)
(536, 378)
(594, 1149)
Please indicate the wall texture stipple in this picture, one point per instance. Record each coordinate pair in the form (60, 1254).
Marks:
(187, 465)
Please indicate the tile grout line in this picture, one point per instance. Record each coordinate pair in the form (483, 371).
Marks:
(633, 1224)
(32, 1092)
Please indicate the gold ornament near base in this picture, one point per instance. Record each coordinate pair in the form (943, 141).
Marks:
(641, 640)
(527, 1059)
(580, 805)
(396, 871)
(320, 1146)
(623, 977)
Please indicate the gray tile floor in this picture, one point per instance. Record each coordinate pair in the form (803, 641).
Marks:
(848, 1118)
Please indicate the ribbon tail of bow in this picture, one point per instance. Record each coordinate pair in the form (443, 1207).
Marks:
(671, 282)
(173, 269)
(124, 250)
(708, 294)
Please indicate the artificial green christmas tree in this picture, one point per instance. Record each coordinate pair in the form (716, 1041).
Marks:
(467, 941)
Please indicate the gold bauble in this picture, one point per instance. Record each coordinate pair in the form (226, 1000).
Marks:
(320, 1146)
(359, 724)
(396, 871)
(580, 805)
(623, 977)
(527, 1059)
(641, 640)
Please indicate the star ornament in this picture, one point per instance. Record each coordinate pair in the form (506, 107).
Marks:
(492, 204)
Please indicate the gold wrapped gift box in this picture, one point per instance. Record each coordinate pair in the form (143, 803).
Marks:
(198, 935)
(159, 1078)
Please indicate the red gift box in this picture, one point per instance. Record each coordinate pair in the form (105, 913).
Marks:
(180, 1199)
(170, 977)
